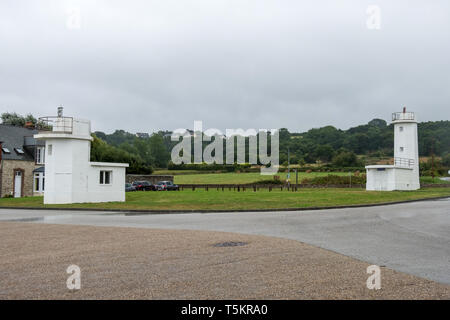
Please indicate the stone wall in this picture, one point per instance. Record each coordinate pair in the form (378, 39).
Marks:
(7, 180)
(152, 178)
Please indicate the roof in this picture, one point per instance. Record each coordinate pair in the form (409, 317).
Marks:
(14, 138)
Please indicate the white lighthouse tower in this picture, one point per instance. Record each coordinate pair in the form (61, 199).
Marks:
(70, 176)
(404, 173)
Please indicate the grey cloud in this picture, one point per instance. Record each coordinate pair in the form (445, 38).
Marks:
(149, 65)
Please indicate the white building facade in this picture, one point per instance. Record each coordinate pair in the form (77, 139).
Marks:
(70, 176)
(404, 173)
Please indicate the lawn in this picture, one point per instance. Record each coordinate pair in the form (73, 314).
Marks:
(248, 200)
(251, 177)
(242, 178)
(431, 180)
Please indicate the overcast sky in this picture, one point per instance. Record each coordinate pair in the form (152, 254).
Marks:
(149, 65)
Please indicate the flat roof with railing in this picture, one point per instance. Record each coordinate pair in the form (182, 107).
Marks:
(403, 116)
(55, 124)
(402, 163)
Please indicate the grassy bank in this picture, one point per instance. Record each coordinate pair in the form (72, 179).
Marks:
(233, 200)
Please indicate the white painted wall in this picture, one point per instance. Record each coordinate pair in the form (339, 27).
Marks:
(70, 177)
(389, 178)
(101, 192)
(399, 176)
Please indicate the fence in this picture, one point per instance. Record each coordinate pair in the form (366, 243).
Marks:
(257, 187)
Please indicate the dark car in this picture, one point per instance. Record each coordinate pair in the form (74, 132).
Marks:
(166, 186)
(143, 186)
(129, 187)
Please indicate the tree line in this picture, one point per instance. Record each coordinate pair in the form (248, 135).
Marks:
(324, 145)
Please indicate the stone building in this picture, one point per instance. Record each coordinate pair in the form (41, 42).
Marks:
(21, 162)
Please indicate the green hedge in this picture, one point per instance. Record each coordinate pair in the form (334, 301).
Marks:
(334, 179)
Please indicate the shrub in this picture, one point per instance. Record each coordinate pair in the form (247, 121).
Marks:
(334, 179)
(346, 159)
(269, 181)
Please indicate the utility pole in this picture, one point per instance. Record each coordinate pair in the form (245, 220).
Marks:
(432, 159)
(289, 173)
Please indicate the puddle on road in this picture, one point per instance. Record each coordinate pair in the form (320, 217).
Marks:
(40, 219)
(55, 218)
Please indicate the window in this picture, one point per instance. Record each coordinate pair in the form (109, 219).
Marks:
(39, 182)
(6, 150)
(401, 129)
(40, 155)
(50, 149)
(19, 150)
(401, 149)
(105, 177)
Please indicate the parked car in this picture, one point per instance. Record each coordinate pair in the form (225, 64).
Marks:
(129, 187)
(166, 186)
(143, 186)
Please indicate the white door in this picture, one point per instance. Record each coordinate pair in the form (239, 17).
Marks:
(18, 184)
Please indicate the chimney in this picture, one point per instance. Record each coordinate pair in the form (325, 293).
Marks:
(60, 111)
(29, 125)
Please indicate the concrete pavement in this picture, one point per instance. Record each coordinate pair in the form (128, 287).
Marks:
(411, 237)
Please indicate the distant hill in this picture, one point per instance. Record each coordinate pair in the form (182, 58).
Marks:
(375, 138)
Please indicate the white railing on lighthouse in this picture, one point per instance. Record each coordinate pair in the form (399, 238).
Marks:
(404, 162)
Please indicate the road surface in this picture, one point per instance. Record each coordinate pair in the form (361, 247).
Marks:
(410, 237)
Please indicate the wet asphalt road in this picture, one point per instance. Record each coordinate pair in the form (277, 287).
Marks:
(411, 237)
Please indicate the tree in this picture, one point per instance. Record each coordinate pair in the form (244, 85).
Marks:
(158, 150)
(324, 152)
(13, 119)
(446, 160)
(301, 162)
(380, 123)
(346, 159)
(103, 152)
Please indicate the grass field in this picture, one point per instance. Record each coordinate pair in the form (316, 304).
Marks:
(432, 180)
(233, 200)
(242, 178)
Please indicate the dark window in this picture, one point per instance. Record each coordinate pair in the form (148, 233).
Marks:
(105, 177)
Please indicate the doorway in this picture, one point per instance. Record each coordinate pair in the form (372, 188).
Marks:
(18, 183)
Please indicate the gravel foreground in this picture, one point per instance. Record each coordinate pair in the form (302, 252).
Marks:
(133, 263)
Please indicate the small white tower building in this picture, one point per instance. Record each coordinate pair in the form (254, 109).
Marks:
(404, 173)
(70, 176)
